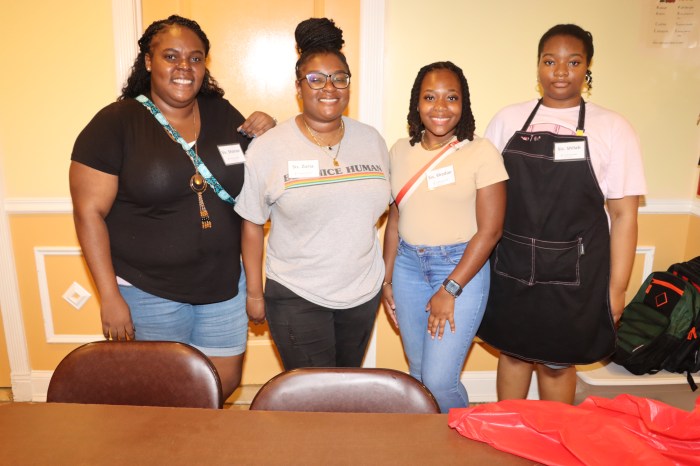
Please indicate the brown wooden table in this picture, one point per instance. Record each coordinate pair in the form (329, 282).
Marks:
(74, 434)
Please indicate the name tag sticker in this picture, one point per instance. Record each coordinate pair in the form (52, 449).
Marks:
(232, 154)
(575, 150)
(303, 168)
(440, 177)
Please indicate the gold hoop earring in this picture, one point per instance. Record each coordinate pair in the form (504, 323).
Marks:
(538, 88)
(586, 91)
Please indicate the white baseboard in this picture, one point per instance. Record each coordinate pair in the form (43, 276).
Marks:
(22, 387)
(40, 385)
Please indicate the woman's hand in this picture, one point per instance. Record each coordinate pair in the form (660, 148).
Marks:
(388, 302)
(617, 303)
(257, 124)
(116, 319)
(93, 193)
(255, 307)
(442, 311)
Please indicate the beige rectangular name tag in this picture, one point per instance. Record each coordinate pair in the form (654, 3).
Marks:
(302, 168)
(564, 151)
(440, 177)
(231, 154)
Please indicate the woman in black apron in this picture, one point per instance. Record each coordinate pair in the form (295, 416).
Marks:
(558, 274)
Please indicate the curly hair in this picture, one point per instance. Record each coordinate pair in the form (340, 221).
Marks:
(466, 126)
(317, 36)
(576, 32)
(139, 80)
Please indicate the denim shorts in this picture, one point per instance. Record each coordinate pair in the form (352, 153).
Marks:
(217, 329)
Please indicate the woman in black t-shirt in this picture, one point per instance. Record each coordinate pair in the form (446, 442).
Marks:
(159, 233)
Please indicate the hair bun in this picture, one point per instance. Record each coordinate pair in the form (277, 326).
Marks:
(318, 34)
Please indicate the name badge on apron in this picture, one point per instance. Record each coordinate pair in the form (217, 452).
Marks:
(303, 168)
(574, 150)
(440, 177)
(232, 154)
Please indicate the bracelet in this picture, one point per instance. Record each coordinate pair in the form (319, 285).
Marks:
(254, 299)
(385, 284)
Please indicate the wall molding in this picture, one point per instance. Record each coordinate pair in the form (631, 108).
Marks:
(670, 206)
(38, 205)
(648, 266)
(40, 254)
(372, 14)
(40, 385)
(63, 205)
(126, 27)
(12, 318)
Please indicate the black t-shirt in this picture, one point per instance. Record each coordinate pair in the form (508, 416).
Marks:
(157, 242)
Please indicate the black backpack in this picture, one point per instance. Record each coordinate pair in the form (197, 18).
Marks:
(659, 327)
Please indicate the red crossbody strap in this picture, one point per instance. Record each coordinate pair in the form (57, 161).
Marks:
(415, 179)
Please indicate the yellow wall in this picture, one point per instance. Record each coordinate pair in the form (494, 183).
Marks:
(61, 270)
(495, 43)
(669, 233)
(63, 65)
(253, 55)
(692, 248)
(65, 72)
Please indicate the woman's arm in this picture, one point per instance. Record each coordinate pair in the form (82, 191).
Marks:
(257, 124)
(93, 193)
(490, 211)
(391, 243)
(623, 245)
(252, 236)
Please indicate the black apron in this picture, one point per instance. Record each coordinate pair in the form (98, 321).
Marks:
(548, 300)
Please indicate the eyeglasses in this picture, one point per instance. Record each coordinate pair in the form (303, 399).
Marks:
(317, 80)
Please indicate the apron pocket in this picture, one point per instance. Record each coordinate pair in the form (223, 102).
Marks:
(531, 261)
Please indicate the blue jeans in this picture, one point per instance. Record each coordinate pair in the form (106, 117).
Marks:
(418, 274)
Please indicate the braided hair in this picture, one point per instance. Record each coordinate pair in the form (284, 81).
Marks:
(139, 80)
(466, 126)
(316, 36)
(576, 32)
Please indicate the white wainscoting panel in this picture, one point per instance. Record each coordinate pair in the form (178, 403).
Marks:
(40, 254)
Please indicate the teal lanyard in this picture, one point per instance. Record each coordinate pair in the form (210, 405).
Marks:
(198, 163)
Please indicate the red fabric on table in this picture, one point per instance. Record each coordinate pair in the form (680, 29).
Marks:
(599, 431)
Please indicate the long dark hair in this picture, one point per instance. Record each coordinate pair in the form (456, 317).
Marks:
(466, 126)
(139, 80)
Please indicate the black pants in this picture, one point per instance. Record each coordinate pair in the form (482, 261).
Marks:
(309, 335)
